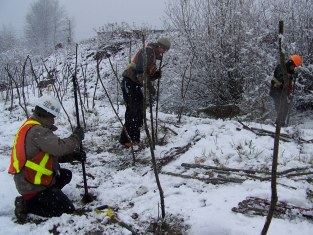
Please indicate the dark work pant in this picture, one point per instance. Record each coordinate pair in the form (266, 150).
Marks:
(52, 201)
(133, 98)
(280, 104)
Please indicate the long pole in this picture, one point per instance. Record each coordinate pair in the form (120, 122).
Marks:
(274, 196)
(87, 197)
(157, 103)
(153, 158)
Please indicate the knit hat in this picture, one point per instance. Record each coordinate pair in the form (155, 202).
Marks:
(164, 42)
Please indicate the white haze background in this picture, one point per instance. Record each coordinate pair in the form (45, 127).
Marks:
(89, 15)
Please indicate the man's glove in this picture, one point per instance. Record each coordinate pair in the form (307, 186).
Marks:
(157, 74)
(152, 90)
(79, 132)
(80, 156)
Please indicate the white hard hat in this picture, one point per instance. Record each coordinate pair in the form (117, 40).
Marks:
(49, 104)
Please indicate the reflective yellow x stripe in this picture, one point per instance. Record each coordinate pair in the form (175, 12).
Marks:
(41, 170)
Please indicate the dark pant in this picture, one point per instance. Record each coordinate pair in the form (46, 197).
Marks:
(52, 201)
(133, 98)
(281, 103)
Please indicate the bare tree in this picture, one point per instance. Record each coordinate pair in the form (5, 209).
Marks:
(186, 78)
(213, 30)
(7, 38)
(46, 25)
(21, 97)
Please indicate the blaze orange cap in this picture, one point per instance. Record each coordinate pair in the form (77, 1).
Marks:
(297, 60)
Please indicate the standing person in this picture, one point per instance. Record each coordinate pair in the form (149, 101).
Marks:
(277, 85)
(132, 84)
(35, 163)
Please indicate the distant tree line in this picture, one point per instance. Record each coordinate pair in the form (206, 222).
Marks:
(46, 25)
(47, 28)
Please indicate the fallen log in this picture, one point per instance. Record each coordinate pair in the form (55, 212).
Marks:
(252, 173)
(262, 132)
(206, 180)
(293, 169)
(259, 206)
(175, 153)
(187, 165)
(283, 137)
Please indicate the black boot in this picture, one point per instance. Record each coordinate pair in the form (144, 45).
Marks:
(20, 209)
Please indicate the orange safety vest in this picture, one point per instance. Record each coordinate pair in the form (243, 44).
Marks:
(39, 169)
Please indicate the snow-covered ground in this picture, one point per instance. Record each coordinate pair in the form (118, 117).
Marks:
(194, 204)
(199, 207)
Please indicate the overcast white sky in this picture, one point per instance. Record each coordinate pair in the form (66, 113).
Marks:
(90, 14)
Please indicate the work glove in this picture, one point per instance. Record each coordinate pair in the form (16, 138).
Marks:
(152, 90)
(79, 132)
(157, 74)
(80, 156)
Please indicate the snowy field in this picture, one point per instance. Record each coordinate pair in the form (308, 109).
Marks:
(198, 206)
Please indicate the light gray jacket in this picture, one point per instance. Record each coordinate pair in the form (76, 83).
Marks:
(41, 138)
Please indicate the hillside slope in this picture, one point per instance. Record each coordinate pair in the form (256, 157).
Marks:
(198, 201)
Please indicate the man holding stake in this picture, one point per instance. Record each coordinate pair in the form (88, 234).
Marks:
(35, 163)
(277, 85)
(132, 84)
